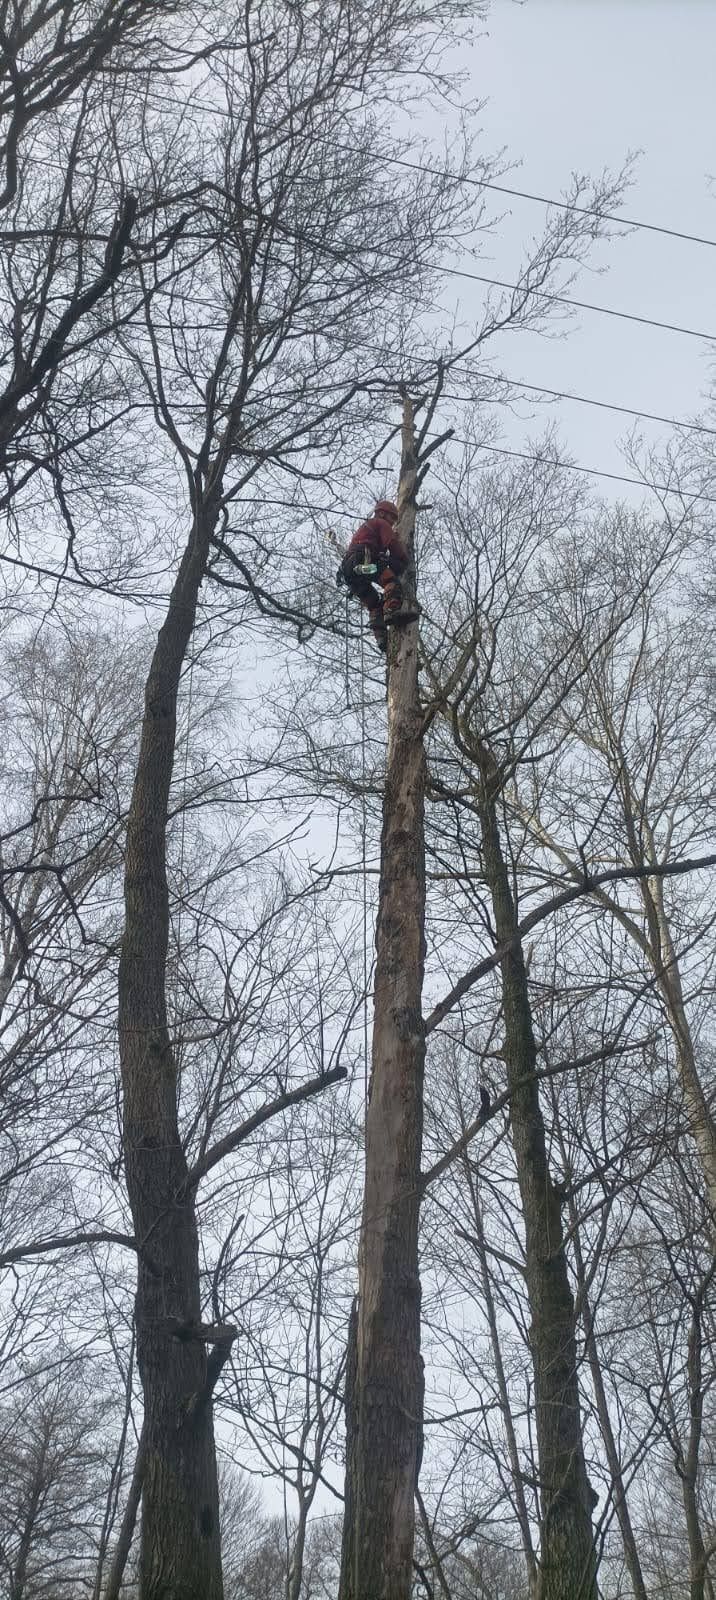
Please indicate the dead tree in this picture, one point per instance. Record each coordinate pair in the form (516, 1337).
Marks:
(386, 1399)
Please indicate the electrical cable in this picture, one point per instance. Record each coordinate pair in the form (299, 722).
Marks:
(581, 305)
(483, 183)
(586, 400)
(336, 511)
(542, 199)
(455, 365)
(322, 248)
(574, 466)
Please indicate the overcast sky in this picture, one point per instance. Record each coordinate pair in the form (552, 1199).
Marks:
(576, 85)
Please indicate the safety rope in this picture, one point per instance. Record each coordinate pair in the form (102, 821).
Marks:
(364, 854)
(361, 708)
(181, 1012)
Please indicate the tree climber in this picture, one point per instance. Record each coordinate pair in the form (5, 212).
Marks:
(375, 556)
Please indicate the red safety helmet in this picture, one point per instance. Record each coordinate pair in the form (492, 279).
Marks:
(385, 508)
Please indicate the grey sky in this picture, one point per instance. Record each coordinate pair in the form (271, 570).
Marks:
(575, 85)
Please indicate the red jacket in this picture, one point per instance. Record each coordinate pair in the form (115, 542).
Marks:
(380, 537)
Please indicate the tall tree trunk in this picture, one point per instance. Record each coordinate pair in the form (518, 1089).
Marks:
(180, 1548)
(126, 1532)
(686, 1449)
(689, 1468)
(665, 962)
(518, 1493)
(601, 1401)
(568, 1557)
(666, 965)
(385, 1415)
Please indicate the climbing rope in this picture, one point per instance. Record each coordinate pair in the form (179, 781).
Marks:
(333, 541)
(364, 854)
(180, 1009)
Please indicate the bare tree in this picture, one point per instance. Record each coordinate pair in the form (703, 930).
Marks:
(76, 221)
(280, 302)
(385, 1376)
(53, 1482)
(641, 717)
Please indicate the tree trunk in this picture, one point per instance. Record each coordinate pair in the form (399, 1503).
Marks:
(666, 965)
(345, 1584)
(601, 1401)
(689, 1469)
(518, 1493)
(126, 1531)
(385, 1417)
(18, 1577)
(180, 1555)
(568, 1557)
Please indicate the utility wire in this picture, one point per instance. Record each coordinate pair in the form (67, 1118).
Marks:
(352, 516)
(587, 400)
(580, 305)
(541, 199)
(574, 466)
(482, 183)
(455, 366)
(338, 255)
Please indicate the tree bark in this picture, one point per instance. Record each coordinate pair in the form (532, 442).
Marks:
(180, 1548)
(664, 959)
(518, 1494)
(601, 1401)
(345, 1584)
(385, 1414)
(689, 1467)
(568, 1561)
(126, 1533)
(666, 965)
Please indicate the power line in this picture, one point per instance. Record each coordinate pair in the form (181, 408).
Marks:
(159, 601)
(484, 183)
(322, 248)
(455, 364)
(523, 288)
(581, 305)
(574, 466)
(542, 199)
(602, 405)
